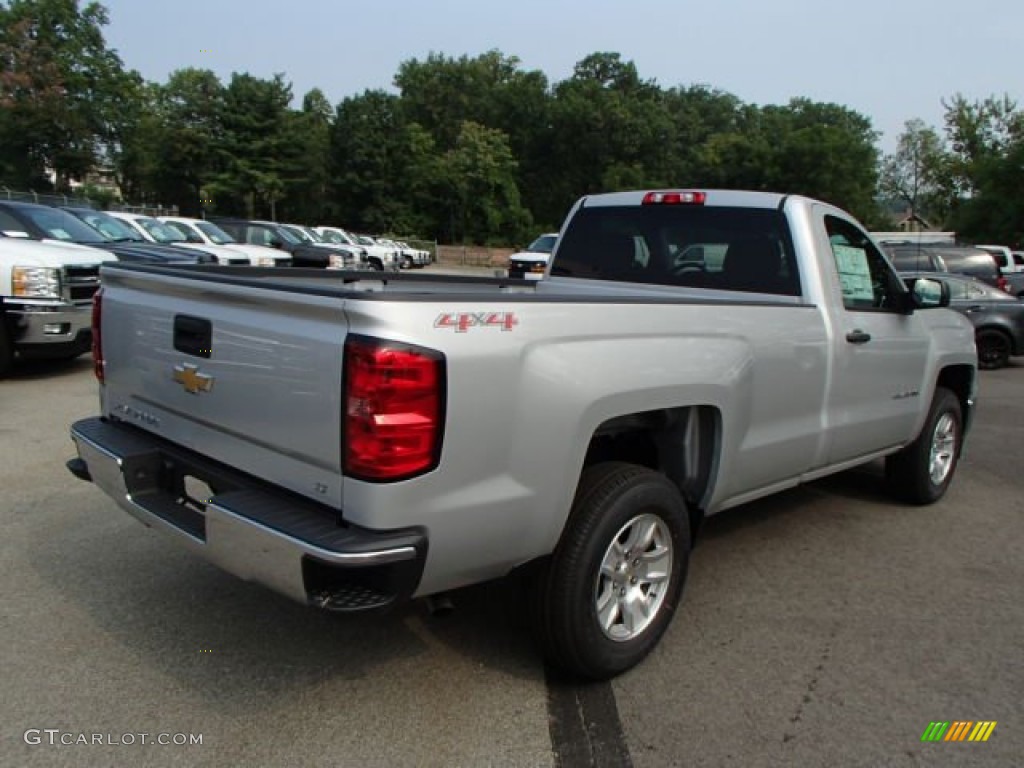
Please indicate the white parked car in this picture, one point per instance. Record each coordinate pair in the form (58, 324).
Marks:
(532, 263)
(210, 234)
(156, 231)
(378, 256)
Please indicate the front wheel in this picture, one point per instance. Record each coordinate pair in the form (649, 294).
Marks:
(921, 472)
(615, 579)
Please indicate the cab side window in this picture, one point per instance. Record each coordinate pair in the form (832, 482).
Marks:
(866, 279)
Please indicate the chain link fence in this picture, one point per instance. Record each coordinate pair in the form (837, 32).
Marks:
(46, 198)
(43, 198)
(146, 210)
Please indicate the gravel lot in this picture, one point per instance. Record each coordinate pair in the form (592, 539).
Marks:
(826, 626)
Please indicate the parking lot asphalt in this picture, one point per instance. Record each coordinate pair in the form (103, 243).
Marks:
(825, 626)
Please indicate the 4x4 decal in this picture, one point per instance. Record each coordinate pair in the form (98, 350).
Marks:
(463, 321)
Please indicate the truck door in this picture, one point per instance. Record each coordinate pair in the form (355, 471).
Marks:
(879, 352)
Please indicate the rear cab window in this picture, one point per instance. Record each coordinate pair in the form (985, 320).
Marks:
(715, 247)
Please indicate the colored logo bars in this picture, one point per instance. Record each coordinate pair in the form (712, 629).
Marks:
(959, 730)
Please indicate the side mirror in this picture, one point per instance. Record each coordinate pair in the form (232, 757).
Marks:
(928, 293)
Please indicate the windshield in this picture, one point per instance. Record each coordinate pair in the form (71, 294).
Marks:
(333, 237)
(61, 225)
(364, 240)
(110, 227)
(342, 236)
(160, 231)
(297, 233)
(285, 234)
(217, 235)
(543, 244)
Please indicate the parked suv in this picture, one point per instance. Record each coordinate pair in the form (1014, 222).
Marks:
(959, 259)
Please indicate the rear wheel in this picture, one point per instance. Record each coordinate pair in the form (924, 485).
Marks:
(921, 472)
(993, 349)
(615, 579)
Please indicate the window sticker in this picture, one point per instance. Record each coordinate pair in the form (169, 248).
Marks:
(60, 234)
(854, 273)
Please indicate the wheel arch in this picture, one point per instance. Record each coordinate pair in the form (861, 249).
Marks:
(683, 443)
(960, 380)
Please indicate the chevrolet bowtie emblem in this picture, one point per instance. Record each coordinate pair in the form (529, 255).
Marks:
(191, 379)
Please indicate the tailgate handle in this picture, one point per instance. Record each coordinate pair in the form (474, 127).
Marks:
(193, 335)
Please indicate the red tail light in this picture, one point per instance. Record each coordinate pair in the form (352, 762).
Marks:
(97, 334)
(675, 198)
(1003, 284)
(394, 409)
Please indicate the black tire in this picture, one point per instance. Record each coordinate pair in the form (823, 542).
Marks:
(921, 472)
(993, 349)
(615, 502)
(6, 346)
(376, 265)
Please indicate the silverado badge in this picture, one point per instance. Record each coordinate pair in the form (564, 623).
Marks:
(191, 379)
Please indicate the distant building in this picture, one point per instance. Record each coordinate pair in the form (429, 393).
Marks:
(911, 222)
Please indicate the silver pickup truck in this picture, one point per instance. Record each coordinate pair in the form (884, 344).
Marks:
(354, 440)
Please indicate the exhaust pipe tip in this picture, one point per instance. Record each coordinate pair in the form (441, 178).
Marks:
(440, 604)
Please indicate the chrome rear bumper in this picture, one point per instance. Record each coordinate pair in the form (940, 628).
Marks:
(254, 531)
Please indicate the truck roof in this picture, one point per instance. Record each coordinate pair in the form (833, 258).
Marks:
(714, 197)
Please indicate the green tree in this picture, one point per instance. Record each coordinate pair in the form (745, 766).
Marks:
(481, 172)
(440, 93)
(987, 168)
(64, 93)
(609, 129)
(252, 152)
(817, 149)
(187, 126)
(304, 165)
(917, 173)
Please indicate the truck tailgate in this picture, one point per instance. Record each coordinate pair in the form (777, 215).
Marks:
(250, 377)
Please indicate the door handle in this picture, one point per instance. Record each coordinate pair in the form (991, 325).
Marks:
(858, 337)
(973, 308)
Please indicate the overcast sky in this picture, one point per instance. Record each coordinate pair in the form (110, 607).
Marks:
(889, 60)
